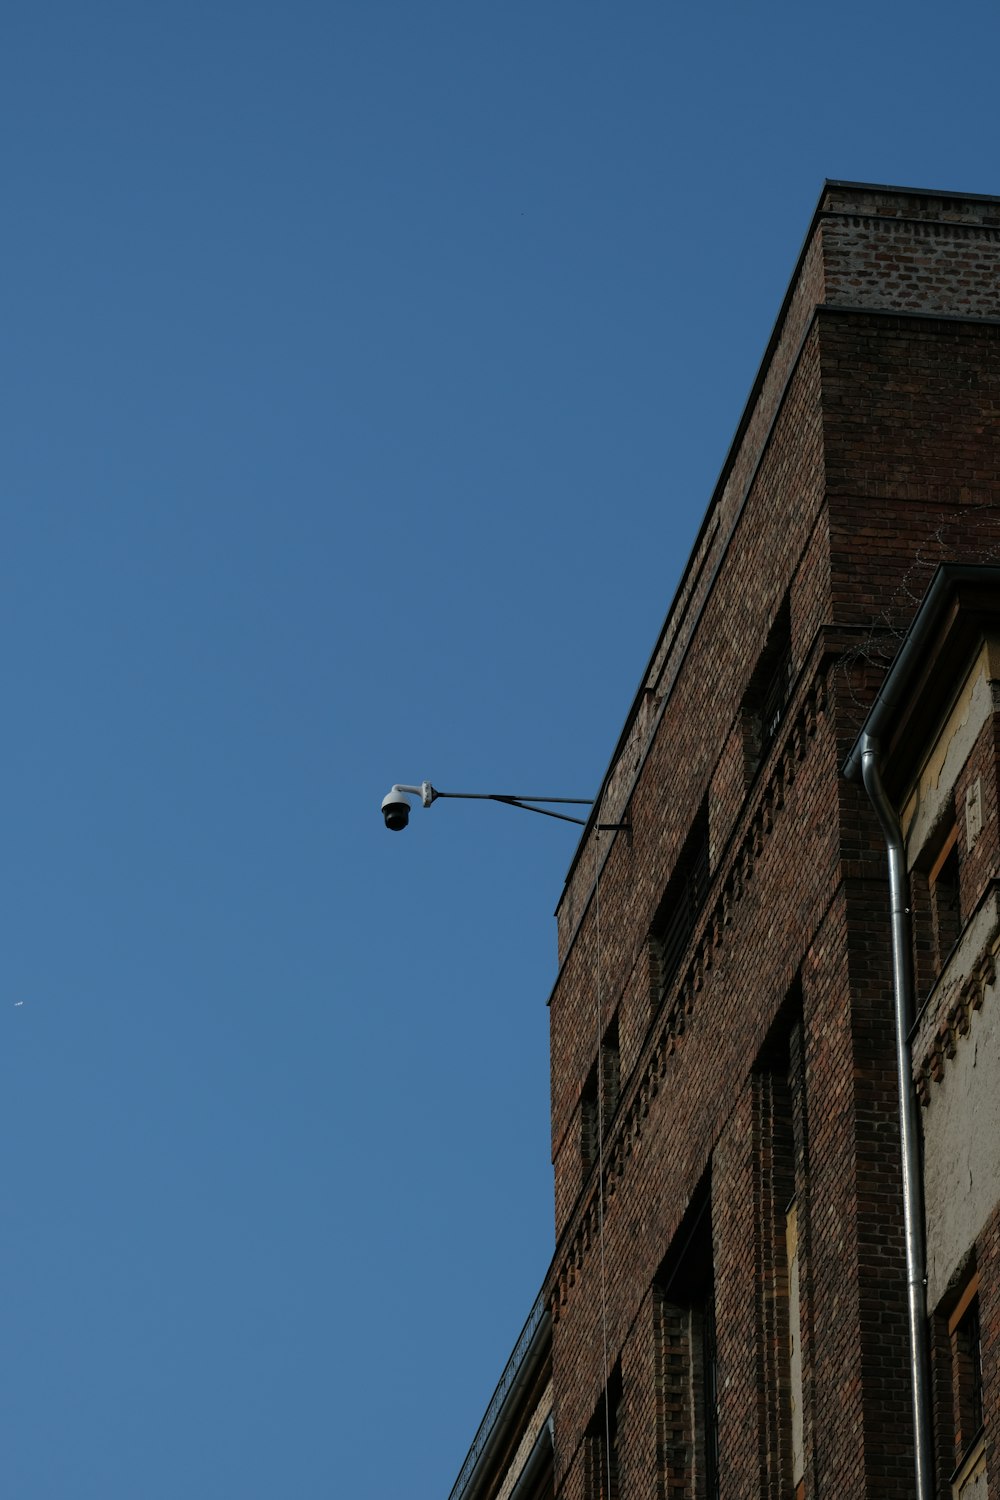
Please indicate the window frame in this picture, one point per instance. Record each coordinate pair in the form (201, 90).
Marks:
(681, 904)
(768, 692)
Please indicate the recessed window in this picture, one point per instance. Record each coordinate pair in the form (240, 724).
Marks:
(946, 897)
(766, 697)
(966, 1440)
(604, 1442)
(687, 1394)
(599, 1099)
(681, 905)
(780, 1214)
(936, 900)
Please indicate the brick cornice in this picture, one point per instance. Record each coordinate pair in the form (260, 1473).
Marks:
(902, 224)
(821, 312)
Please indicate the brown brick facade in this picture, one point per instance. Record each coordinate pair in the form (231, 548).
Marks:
(764, 1064)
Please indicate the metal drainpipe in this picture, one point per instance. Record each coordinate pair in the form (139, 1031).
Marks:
(902, 980)
(544, 1447)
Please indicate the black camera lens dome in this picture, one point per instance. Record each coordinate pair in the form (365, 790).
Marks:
(397, 815)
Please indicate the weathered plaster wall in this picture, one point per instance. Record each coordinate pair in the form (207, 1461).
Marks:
(931, 797)
(962, 1126)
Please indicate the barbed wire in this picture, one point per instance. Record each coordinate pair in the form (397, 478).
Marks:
(968, 535)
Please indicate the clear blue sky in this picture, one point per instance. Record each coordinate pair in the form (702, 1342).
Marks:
(367, 369)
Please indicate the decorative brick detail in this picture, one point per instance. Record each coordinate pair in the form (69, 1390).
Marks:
(955, 1018)
(868, 453)
(808, 707)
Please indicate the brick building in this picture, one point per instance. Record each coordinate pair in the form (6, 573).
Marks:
(738, 1305)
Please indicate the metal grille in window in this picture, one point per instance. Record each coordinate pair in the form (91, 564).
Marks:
(685, 1359)
(767, 692)
(604, 1440)
(600, 1095)
(935, 898)
(589, 1121)
(772, 705)
(683, 902)
(967, 1370)
(970, 1350)
(945, 889)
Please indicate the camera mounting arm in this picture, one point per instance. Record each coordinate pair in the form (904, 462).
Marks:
(395, 807)
(527, 803)
(424, 791)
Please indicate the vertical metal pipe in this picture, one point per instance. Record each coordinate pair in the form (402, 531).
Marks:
(902, 976)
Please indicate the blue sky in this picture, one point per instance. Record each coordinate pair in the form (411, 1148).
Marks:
(367, 371)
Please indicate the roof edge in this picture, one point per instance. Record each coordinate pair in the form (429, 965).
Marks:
(527, 1354)
(821, 210)
(723, 475)
(911, 192)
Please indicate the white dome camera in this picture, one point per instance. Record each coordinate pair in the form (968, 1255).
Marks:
(395, 810)
(396, 806)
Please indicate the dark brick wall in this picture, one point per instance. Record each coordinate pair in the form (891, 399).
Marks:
(988, 1259)
(917, 253)
(870, 452)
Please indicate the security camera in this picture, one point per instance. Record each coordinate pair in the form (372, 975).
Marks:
(396, 807)
(395, 810)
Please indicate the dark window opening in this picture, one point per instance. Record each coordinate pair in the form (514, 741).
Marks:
(589, 1121)
(611, 1071)
(604, 1439)
(682, 902)
(945, 898)
(767, 692)
(969, 1354)
(935, 899)
(687, 1383)
(781, 1212)
(600, 1096)
(967, 1371)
